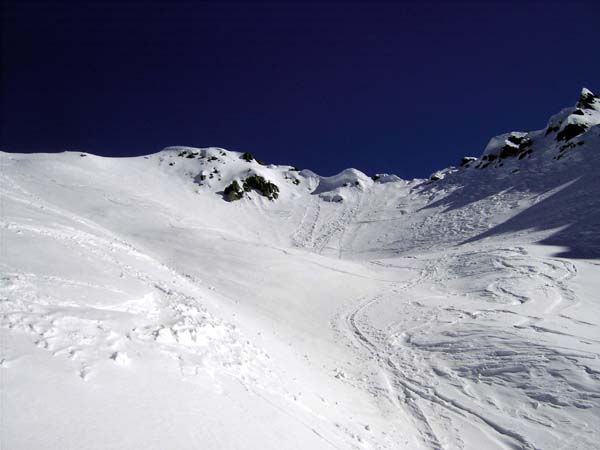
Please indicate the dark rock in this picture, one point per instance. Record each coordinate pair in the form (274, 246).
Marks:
(525, 153)
(586, 100)
(233, 192)
(247, 157)
(515, 146)
(570, 131)
(265, 187)
(466, 161)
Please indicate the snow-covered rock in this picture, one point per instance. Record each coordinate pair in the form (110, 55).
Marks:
(387, 178)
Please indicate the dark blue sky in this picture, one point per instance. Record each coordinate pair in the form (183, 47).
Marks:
(400, 87)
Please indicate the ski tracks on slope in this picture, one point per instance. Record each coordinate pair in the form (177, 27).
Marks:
(315, 232)
(410, 384)
(385, 380)
(407, 388)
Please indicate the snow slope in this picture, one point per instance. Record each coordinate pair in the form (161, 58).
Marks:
(140, 309)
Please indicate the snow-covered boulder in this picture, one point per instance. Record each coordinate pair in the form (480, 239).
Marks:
(383, 178)
(467, 160)
(441, 174)
(507, 145)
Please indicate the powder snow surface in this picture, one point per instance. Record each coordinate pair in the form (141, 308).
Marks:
(140, 310)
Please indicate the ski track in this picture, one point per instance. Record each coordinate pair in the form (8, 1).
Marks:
(400, 361)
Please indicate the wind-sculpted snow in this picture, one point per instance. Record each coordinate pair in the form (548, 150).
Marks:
(141, 309)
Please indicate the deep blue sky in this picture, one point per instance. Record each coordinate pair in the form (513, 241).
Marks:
(399, 87)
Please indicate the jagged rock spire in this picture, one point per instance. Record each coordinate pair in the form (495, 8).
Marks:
(586, 99)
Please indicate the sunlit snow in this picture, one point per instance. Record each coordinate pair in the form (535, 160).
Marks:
(140, 310)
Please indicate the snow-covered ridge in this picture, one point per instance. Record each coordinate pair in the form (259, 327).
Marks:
(215, 169)
(301, 204)
(564, 131)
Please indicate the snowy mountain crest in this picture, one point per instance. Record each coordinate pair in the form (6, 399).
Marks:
(238, 176)
(564, 131)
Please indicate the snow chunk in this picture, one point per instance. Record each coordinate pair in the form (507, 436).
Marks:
(586, 91)
(332, 197)
(441, 174)
(120, 358)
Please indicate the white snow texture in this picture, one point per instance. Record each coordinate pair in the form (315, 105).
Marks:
(139, 309)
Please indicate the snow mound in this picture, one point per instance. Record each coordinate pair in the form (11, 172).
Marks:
(337, 187)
